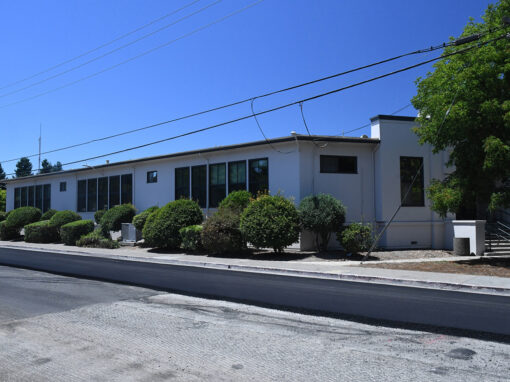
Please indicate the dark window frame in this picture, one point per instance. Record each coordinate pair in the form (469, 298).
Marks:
(217, 191)
(63, 186)
(126, 196)
(253, 185)
(81, 193)
(182, 191)
(340, 168)
(416, 197)
(92, 197)
(152, 176)
(197, 191)
(236, 186)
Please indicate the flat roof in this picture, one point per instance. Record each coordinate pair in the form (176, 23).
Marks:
(298, 137)
(393, 118)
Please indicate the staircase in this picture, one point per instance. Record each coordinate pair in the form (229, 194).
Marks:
(497, 238)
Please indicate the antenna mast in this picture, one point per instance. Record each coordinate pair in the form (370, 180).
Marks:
(40, 135)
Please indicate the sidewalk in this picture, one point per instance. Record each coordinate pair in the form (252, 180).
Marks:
(337, 270)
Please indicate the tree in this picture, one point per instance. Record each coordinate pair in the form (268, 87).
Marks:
(23, 167)
(47, 167)
(2, 176)
(57, 167)
(464, 107)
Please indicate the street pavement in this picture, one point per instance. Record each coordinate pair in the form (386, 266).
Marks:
(56, 328)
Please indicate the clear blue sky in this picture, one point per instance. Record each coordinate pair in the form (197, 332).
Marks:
(272, 45)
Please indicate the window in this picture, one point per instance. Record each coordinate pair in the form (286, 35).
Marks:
(46, 197)
(152, 177)
(411, 167)
(182, 183)
(258, 176)
(217, 184)
(91, 195)
(82, 195)
(24, 200)
(39, 197)
(31, 195)
(102, 193)
(199, 185)
(114, 191)
(339, 164)
(126, 189)
(63, 186)
(236, 176)
(17, 197)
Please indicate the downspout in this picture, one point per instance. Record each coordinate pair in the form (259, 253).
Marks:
(431, 212)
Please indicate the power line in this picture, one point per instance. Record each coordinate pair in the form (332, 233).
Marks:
(369, 124)
(137, 56)
(98, 47)
(317, 96)
(164, 27)
(237, 103)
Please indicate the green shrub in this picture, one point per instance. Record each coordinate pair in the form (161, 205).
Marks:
(356, 237)
(7, 214)
(95, 239)
(2, 216)
(70, 233)
(162, 227)
(113, 218)
(236, 201)
(41, 232)
(63, 217)
(7, 232)
(321, 214)
(98, 215)
(22, 216)
(139, 220)
(221, 233)
(190, 236)
(271, 222)
(48, 214)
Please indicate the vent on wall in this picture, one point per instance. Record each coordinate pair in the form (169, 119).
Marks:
(414, 242)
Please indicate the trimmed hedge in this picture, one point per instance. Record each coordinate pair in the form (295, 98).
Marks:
(321, 214)
(271, 222)
(48, 214)
(22, 216)
(95, 239)
(98, 215)
(2, 216)
(356, 237)
(221, 233)
(113, 218)
(61, 218)
(7, 232)
(140, 219)
(70, 233)
(40, 232)
(236, 201)
(190, 236)
(162, 227)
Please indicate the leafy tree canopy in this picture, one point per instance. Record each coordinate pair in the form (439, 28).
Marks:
(2, 176)
(47, 167)
(23, 167)
(475, 87)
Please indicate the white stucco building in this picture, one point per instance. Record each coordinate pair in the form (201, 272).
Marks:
(369, 176)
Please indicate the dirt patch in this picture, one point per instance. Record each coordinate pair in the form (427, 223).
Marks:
(482, 267)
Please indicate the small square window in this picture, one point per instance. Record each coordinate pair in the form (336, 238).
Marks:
(63, 186)
(152, 177)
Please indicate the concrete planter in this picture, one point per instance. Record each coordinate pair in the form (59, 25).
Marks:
(474, 230)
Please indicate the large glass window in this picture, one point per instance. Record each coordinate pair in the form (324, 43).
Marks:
(411, 167)
(82, 195)
(199, 185)
(236, 176)
(339, 164)
(31, 195)
(91, 195)
(46, 197)
(127, 188)
(258, 175)
(17, 197)
(102, 193)
(39, 197)
(182, 183)
(24, 196)
(114, 191)
(217, 184)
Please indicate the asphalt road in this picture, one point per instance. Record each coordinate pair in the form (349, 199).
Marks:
(55, 328)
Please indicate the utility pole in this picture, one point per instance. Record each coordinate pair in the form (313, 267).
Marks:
(40, 135)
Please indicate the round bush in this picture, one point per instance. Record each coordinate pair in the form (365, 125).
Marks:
(95, 239)
(98, 215)
(356, 237)
(2, 216)
(221, 233)
(236, 201)
(41, 232)
(22, 216)
(321, 214)
(48, 214)
(271, 222)
(139, 220)
(162, 227)
(63, 217)
(8, 233)
(190, 236)
(113, 218)
(70, 233)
